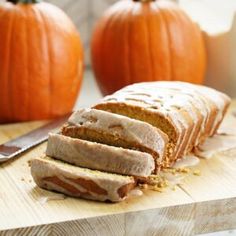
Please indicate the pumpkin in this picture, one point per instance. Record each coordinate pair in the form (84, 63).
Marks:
(41, 61)
(146, 40)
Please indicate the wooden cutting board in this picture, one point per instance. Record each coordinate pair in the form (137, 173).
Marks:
(200, 204)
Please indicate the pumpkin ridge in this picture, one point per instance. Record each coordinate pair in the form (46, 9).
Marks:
(182, 22)
(162, 14)
(24, 1)
(115, 19)
(157, 19)
(10, 99)
(105, 32)
(49, 59)
(149, 43)
(129, 62)
(37, 15)
(29, 89)
(4, 108)
(40, 17)
(27, 63)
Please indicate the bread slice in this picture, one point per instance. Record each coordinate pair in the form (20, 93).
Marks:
(99, 156)
(80, 182)
(116, 130)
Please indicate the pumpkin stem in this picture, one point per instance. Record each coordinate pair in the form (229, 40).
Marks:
(23, 1)
(144, 0)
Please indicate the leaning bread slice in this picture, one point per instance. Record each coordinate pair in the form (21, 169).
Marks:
(99, 156)
(80, 182)
(117, 130)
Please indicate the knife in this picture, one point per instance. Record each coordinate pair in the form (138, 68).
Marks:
(22, 143)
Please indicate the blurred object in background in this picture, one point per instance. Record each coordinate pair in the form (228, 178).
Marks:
(214, 16)
(218, 20)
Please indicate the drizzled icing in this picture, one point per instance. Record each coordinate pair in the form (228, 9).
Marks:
(187, 161)
(135, 193)
(224, 141)
(51, 197)
(228, 125)
(215, 145)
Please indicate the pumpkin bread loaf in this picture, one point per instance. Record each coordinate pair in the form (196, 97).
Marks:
(99, 156)
(116, 130)
(80, 182)
(187, 113)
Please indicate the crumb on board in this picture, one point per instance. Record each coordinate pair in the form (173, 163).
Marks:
(22, 179)
(197, 172)
(170, 170)
(143, 186)
(158, 189)
(156, 183)
(160, 182)
(175, 171)
(183, 170)
(29, 163)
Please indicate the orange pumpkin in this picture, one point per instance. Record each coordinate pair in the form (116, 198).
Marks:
(41, 61)
(146, 40)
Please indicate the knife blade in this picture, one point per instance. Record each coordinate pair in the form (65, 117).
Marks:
(22, 143)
